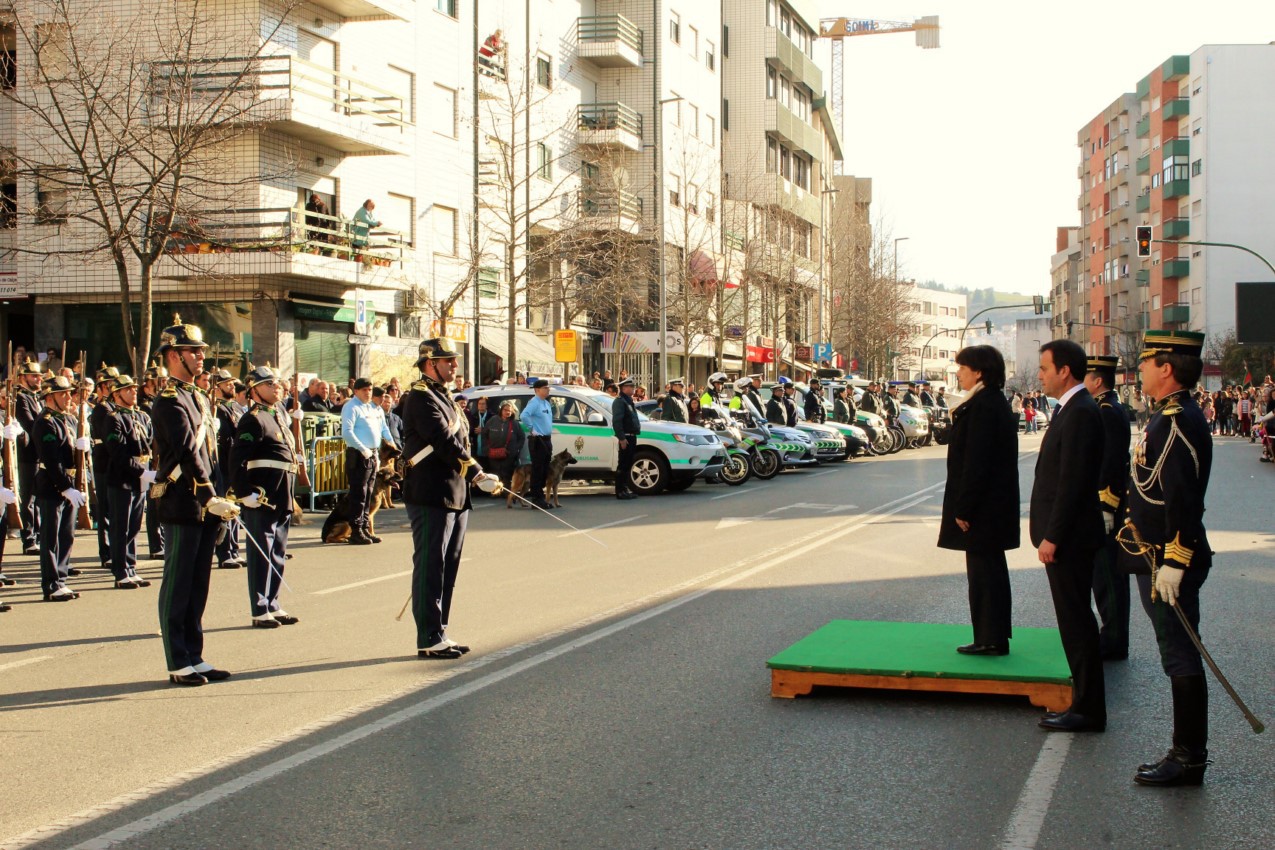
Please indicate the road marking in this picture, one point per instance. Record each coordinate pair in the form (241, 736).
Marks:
(825, 472)
(604, 525)
(735, 573)
(363, 583)
(24, 662)
(1033, 803)
(734, 492)
(734, 521)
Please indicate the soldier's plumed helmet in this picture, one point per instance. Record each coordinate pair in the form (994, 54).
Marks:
(123, 382)
(55, 384)
(181, 335)
(435, 348)
(30, 368)
(106, 373)
(155, 372)
(260, 375)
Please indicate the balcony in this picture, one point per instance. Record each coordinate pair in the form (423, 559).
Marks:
(796, 200)
(1175, 68)
(1177, 146)
(1144, 87)
(1143, 165)
(1176, 314)
(1175, 268)
(1136, 322)
(1143, 127)
(610, 125)
(282, 243)
(1176, 228)
(780, 50)
(1177, 188)
(609, 41)
(1177, 108)
(610, 210)
(1142, 277)
(1143, 203)
(791, 130)
(303, 100)
(369, 10)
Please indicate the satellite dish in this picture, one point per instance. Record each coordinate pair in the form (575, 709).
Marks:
(621, 177)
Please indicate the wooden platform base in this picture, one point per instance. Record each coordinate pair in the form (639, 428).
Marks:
(792, 683)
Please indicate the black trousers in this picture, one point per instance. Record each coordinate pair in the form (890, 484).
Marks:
(57, 535)
(126, 522)
(102, 512)
(624, 464)
(541, 453)
(1111, 596)
(360, 472)
(154, 530)
(268, 528)
(1070, 583)
(438, 537)
(1178, 655)
(184, 591)
(991, 603)
(27, 504)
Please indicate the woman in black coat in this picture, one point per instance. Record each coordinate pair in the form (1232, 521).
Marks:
(980, 504)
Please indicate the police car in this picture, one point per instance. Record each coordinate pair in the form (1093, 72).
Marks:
(670, 455)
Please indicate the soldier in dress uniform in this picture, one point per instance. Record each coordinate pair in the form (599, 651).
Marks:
(1168, 480)
(187, 503)
(263, 470)
(222, 396)
(438, 471)
(128, 475)
(99, 425)
(1110, 581)
(626, 425)
(674, 407)
(154, 380)
(27, 409)
(58, 498)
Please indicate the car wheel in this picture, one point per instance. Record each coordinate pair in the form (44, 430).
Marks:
(650, 475)
(899, 439)
(680, 484)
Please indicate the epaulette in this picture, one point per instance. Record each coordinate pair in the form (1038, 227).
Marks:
(1171, 409)
(48, 413)
(420, 386)
(169, 392)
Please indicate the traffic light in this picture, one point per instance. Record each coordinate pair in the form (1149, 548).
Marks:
(1038, 304)
(988, 325)
(1143, 235)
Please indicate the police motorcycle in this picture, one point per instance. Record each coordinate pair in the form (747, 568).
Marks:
(886, 439)
(741, 448)
(849, 440)
(940, 424)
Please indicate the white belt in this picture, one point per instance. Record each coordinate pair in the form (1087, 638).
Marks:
(420, 456)
(285, 465)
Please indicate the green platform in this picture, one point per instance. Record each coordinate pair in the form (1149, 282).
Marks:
(922, 656)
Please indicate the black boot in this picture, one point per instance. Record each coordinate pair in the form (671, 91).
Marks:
(1186, 762)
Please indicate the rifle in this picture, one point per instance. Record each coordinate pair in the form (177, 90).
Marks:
(83, 460)
(303, 474)
(10, 478)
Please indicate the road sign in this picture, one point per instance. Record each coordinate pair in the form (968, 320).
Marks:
(566, 346)
(823, 351)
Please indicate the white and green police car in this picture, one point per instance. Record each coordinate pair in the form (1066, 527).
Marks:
(670, 455)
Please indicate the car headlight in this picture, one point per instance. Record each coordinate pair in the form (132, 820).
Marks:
(696, 439)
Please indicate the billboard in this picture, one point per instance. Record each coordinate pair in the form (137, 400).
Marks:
(1255, 313)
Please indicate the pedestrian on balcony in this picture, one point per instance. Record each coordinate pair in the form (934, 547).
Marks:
(364, 221)
(318, 220)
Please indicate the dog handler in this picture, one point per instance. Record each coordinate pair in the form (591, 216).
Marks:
(364, 428)
(436, 492)
(263, 470)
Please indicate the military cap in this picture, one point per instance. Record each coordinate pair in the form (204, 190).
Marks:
(1171, 342)
(435, 348)
(106, 373)
(222, 376)
(155, 372)
(1102, 361)
(181, 335)
(784, 380)
(55, 384)
(30, 368)
(123, 382)
(539, 384)
(627, 382)
(260, 375)
(815, 382)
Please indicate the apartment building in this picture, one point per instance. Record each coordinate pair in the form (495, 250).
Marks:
(1066, 280)
(930, 354)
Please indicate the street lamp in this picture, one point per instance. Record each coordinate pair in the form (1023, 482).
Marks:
(658, 153)
(822, 207)
(896, 256)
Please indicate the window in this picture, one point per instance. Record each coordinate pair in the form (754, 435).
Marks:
(785, 92)
(710, 56)
(693, 125)
(1175, 168)
(544, 71)
(544, 161)
(785, 22)
(801, 172)
(675, 27)
(711, 127)
(50, 203)
(444, 231)
(692, 198)
(772, 82)
(675, 190)
(693, 42)
(676, 117)
(8, 206)
(785, 163)
(726, 41)
(710, 206)
(772, 156)
(402, 81)
(398, 213)
(725, 114)
(1197, 168)
(443, 117)
(9, 69)
(489, 283)
(447, 7)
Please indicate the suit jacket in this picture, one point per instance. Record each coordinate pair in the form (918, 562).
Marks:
(982, 476)
(1063, 508)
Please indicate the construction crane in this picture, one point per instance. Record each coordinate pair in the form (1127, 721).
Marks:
(839, 29)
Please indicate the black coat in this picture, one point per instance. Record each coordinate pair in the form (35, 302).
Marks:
(186, 446)
(982, 476)
(432, 419)
(263, 433)
(1115, 454)
(128, 448)
(1063, 508)
(54, 438)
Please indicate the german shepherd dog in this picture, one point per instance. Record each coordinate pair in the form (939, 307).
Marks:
(336, 528)
(520, 482)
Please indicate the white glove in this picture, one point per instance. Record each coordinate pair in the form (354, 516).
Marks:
(77, 498)
(219, 507)
(367, 454)
(83, 444)
(7, 496)
(488, 483)
(1167, 582)
(12, 431)
(217, 426)
(252, 500)
(148, 478)
(297, 413)
(1108, 521)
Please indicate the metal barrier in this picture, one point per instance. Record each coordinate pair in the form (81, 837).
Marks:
(326, 458)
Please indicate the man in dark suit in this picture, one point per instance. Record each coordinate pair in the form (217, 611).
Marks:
(1067, 528)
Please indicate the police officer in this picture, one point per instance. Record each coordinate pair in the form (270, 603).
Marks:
(713, 394)
(263, 468)
(813, 404)
(775, 413)
(222, 396)
(890, 404)
(99, 425)
(1110, 581)
(27, 409)
(537, 418)
(910, 398)
(1168, 480)
(155, 379)
(128, 475)
(843, 407)
(927, 399)
(789, 402)
(55, 490)
(364, 429)
(626, 425)
(187, 503)
(439, 468)
(673, 408)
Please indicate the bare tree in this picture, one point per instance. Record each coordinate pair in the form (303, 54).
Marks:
(872, 312)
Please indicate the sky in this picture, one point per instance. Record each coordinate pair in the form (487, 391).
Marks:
(972, 147)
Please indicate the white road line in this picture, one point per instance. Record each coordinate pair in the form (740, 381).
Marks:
(363, 583)
(825, 472)
(604, 525)
(777, 555)
(24, 662)
(1033, 803)
(734, 492)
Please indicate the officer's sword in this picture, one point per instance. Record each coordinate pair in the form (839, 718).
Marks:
(1146, 550)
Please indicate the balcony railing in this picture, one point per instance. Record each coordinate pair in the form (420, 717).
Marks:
(1143, 203)
(1143, 165)
(1176, 228)
(283, 230)
(1176, 314)
(1177, 146)
(1177, 188)
(609, 41)
(613, 205)
(610, 124)
(369, 10)
(1177, 108)
(1142, 277)
(1143, 128)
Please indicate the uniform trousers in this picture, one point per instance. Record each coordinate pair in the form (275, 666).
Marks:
(154, 531)
(184, 592)
(102, 508)
(1111, 596)
(541, 454)
(360, 472)
(624, 464)
(57, 535)
(1070, 583)
(1178, 655)
(126, 522)
(438, 536)
(991, 604)
(267, 528)
(27, 504)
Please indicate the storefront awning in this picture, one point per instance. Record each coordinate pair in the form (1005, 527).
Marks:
(533, 355)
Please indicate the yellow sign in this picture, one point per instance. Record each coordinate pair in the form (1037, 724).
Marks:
(456, 331)
(566, 346)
